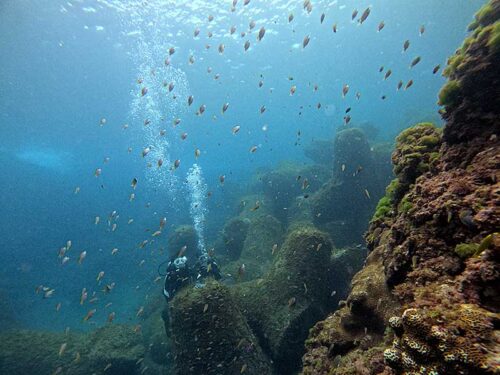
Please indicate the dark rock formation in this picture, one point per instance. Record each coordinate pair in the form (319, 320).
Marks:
(211, 335)
(183, 235)
(343, 206)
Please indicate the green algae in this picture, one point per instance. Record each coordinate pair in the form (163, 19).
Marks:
(450, 93)
(466, 250)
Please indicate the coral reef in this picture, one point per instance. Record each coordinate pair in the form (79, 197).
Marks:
(434, 262)
(211, 336)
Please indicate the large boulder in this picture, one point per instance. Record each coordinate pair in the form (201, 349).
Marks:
(183, 235)
(211, 335)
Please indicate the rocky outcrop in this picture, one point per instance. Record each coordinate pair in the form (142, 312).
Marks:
(211, 335)
(343, 205)
(428, 295)
(113, 349)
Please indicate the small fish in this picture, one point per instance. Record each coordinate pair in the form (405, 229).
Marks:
(133, 184)
(343, 167)
(191, 60)
(365, 15)
(190, 100)
(156, 234)
(107, 367)
(436, 69)
(98, 172)
(251, 24)
(292, 90)
(163, 222)
(319, 246)
(225, 107)
(141, 263)
(102, 121)
(381, 25)
(108, 288)
(367, 193)
(381, 69)
(256, 207)
(196, 32)
(111, 317)
(100, 275)
(232, 30)
(334, 27)
(144, 91)
(387, 74)
(222, 178)
(322, 18)
(406, 45)
(415, 61)
(247, 45)
(246, 2)
(253, 149)
(89, 315)
(62, 349)
(262, 109)
(290, 17)
(114, 251)
(354, 14)
(159, 163)
(146, 151)
(262, 32)
(197, 153)
(345, 90)
(171, 86)
(58, 307)
(77, 357)
(306, 41)
(83, 296)
(210, 18)
(421, 30)
(236, 129)
(221, 48)
(243, 368)
(82, 256)
(305, 184)
(184, 136)
(201, 110)
(409, 84)
(167, 61)
(64, 260)
(292, 302)
(171, 51)
(177, 162)
(113, 227)
(77, 190)
(241, 270)
(48, 293)
(140, 311)
(400, 84)
(274, 249)
(205, 308)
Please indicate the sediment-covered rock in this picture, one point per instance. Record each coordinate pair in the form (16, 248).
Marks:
(211, 335)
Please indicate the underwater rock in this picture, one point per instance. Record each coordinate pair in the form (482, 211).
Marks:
(115, 347)
(183, 235)
(211, 335)
(296, 292)
(344, 204)
(284, 184)
(234, 234)
(471, 95)
(263, 232)
(320, 151)
(433, 241)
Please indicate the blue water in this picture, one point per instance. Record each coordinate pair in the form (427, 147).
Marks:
(67, 64)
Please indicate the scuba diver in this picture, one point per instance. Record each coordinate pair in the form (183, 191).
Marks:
(180, 272)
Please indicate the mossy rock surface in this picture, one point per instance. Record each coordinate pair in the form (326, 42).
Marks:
(183, 235)
(211, 335)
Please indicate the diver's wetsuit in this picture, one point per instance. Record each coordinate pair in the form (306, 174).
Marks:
(179, 274)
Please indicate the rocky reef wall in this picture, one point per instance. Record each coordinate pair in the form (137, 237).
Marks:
(427, 300)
